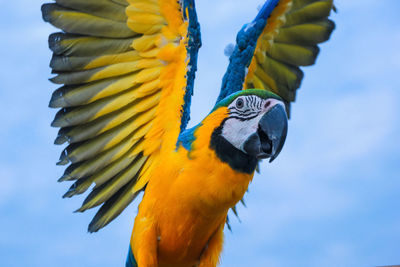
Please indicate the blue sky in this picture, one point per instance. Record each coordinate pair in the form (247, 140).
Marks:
(330, 199)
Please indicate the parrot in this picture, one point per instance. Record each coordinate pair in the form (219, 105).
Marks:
(126, 71)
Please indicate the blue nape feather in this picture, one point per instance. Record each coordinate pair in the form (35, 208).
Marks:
(246, 42)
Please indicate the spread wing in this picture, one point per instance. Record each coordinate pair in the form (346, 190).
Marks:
(269, 51)
(126, 70)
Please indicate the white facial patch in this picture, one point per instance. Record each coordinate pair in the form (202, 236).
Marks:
(245, 114)
(237, 131)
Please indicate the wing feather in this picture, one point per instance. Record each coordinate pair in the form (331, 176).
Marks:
(77, 22)
(67, 45)
(94, 165)
(123, 70)
(270, 51)
(290, 39)
(102, 193)
(307, 33)
(90, 130)
(101, 8)
(62, 63)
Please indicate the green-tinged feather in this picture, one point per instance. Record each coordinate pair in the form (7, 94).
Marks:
(306, 34)
(101, 193)
(83, 114)
(87, 46)
(90, 130)
(313, 12)
(82, 151)
(79, 170)
(285, 76)
(113, 207)
(100, 177)
(76, 22)
(71, 63)
(101, 8)
(294, 54)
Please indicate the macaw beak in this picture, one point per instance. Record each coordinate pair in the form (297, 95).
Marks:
(270, 137)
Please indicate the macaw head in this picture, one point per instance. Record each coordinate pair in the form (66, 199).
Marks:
(254, 128)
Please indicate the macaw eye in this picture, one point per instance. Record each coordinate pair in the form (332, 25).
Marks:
(240, 103)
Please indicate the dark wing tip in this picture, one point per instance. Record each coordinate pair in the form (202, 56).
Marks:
(57, 100)
(331, 26)
(54, 40)
(113, 207)
(46, 10)
(64, 159)
(334, 8)
(60, 139)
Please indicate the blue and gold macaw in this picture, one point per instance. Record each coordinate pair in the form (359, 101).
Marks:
(127, 69)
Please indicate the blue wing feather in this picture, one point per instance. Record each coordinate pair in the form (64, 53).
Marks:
(193, 46)
(246, 42)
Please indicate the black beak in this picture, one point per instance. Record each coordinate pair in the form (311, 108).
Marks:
(270, 137)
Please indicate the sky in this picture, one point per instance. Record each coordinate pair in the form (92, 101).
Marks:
(330, 199)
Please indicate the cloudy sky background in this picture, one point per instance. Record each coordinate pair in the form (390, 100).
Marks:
(331, 198)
